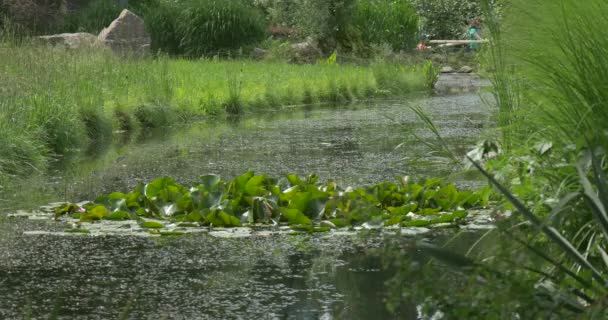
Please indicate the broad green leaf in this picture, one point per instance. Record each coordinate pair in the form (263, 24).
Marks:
(417, 223)
(254, 187)
(295, 217)
(154, 188)
(96, 213)
(151, 225)
(210, 182)
(117, 215)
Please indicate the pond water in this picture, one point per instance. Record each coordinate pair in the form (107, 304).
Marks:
(198, 276)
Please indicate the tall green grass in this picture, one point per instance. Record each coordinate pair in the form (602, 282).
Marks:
(387, 22)
(58, 101)
(551, 75)
(559, 58)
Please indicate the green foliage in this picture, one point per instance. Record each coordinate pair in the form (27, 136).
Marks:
(431, 74)
(55, 101)
(95, 16)
(563, 84)
(31, 16)
(258, 199)
(383, 21)
(447, 19)
(204, 27)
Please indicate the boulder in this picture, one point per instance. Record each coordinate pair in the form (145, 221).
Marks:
(465, 69)
(306, 52)
(447, 69)
(258, 53)
(127, 35)
(71, 40)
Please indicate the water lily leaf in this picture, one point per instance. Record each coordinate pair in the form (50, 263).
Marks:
(294, 180)
(117, 215)
(151, 225)
(153, 188)
(194, 217)
(254, 187)
(113, 201)
(167, 233)
(429, 211)
(295, 217)
(461, 214)
(417, 223)
(393, 220)
(239, 183)
(340, 223)
(96, 213)
(164, 189)
(85, 231)
(68, 208)
(222, 219)
(433, 183)
(210, 182)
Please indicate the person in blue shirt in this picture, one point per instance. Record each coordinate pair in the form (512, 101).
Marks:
(475, 33)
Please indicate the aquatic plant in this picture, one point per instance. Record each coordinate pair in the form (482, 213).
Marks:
(296, 201)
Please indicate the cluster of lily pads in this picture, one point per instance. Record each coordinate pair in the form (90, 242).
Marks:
(298, 202)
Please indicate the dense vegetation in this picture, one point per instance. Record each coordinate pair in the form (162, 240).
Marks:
(210, 27)
(549, 260)
(56, 101)
(258, 199)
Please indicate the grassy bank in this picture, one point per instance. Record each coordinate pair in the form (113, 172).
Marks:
(54, 101)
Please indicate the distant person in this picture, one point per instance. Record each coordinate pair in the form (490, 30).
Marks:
(475, 33)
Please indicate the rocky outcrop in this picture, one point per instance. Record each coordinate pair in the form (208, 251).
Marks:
(465, 69)
(306, 52)
(447, 69)
(71, 40)
(127, 35)
(259, 54)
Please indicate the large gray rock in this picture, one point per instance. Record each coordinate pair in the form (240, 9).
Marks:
(71, 40)
(259, 54)
(465, 69)
(127, 35)
(447, 69)
(306, 51)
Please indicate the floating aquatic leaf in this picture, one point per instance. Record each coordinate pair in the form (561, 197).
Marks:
(98, 212)
(117, 215)
(295, 216)
(151, 225)
(77, 231)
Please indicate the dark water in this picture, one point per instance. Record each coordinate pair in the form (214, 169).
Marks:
(201, 277)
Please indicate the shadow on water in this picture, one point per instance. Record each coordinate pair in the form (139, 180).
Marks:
(201, 277)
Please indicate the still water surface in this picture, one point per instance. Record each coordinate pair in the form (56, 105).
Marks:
(280, 276)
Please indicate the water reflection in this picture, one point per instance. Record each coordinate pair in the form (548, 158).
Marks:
(198, 276)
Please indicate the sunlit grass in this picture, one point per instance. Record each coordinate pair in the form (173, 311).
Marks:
(59, 100)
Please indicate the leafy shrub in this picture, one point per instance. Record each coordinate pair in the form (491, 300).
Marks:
(92, 18)
(208, 26)
(98, 14)
(447, 19)
(385, 21)
(205, 27)
(32, 16)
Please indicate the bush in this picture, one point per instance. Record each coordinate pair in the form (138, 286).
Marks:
(93, 18)
(209, 26)
(32, 16)
(447, 19)
(383, 21)
(98, 14)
